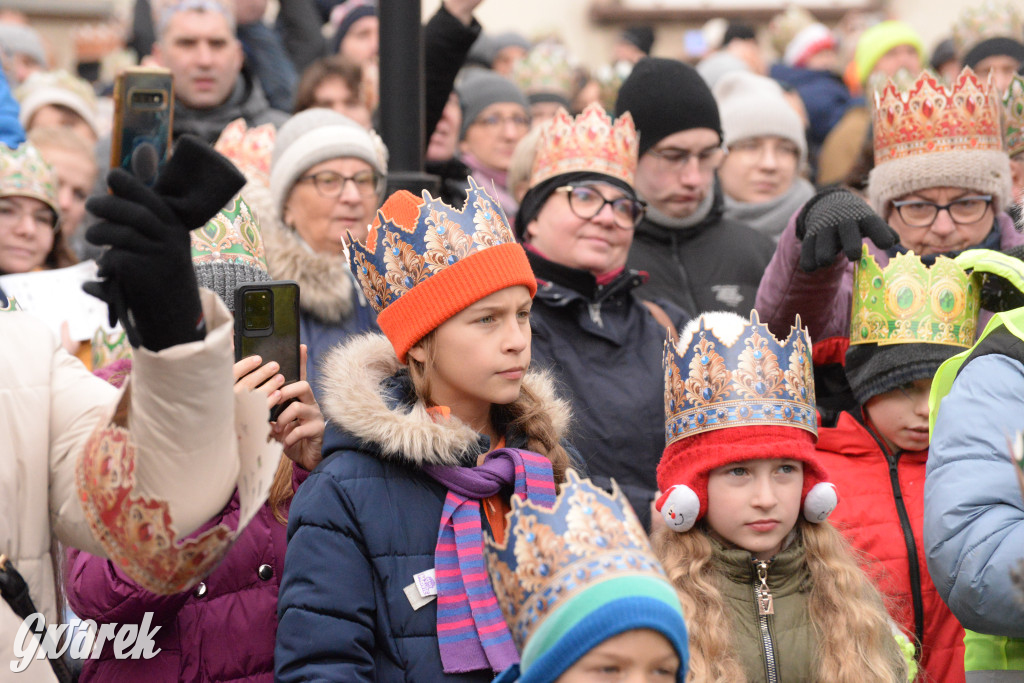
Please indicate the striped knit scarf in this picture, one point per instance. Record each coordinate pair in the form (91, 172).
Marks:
(471, 630)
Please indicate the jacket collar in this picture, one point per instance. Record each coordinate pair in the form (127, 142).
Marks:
(662, 233)
(580, 282)
(368, 395)
(325, 282)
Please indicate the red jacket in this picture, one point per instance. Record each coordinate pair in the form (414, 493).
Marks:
(872, 512)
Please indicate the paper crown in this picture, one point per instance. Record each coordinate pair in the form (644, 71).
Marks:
(932, 118)
(425, 261)
(232, 236)
(1013, 111)
(8, 304)
(590, 142)
(545, 73)
(986, 21)
(24, 173)
(109, 346)
(910, 303)
(249, 149)
(551, 556)
(751, 380)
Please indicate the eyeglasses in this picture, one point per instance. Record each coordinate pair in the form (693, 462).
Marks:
(920, 214)
(12, 215)
(674, 160)
(586, 202)
(498, 121)
(331, 184)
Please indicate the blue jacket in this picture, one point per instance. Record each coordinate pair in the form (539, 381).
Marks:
(974, 512)
(825, 97)
(332, 306)
(11, 132)
(605, 349)
(365, 521)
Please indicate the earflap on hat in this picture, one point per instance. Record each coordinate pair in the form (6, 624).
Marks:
(687, 464)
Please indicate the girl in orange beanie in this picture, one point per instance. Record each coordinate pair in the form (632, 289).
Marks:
(384, 578)
(769, 588)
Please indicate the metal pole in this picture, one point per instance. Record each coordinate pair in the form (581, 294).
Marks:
(402, 100)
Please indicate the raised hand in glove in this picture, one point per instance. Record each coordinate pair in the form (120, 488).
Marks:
(836, 220)
(147, 278)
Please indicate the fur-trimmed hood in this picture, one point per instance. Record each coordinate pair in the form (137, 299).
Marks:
(355, 397)
(325, 282)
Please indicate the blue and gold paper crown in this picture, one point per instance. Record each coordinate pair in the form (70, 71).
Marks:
(754, 380)
(909, 303)
(551, 556)
(424, 261)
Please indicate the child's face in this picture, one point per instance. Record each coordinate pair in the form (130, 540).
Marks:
(637, 656)
(901, 416)
(481, 353)
(754, 504)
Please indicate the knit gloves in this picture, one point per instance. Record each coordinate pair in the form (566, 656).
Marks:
(836, 220)
(147, 280)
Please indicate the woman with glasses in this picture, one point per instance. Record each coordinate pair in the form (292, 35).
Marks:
(600, 340)
(935, 189)
(761, 175)
(326, 180)
(495, 117)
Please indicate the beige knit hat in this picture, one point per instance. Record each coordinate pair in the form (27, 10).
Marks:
(938, 136)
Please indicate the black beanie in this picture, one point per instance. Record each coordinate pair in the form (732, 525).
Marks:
(536, 196)
(642, 37)
(944, 52)
(666, 96)
(738, 31)
(872, 369)
(994, 46)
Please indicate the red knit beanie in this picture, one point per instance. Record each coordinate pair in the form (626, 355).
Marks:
(424, 261)
(688, 462)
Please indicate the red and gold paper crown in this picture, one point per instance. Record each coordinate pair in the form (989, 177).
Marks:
(590, 142)
(937, 136)
(932, 118)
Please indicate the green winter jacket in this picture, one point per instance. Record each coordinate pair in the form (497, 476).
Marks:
(776, 647)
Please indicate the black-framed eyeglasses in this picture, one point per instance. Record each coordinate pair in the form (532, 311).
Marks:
(918, 213)
(43, 218)
(332, 184)
(586, 202)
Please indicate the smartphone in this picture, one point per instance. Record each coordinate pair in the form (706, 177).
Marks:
(267, 325)
(143, 119)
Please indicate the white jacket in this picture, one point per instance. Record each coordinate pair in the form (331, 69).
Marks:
(179, 416)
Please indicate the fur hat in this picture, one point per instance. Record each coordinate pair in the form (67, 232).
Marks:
(424, 261)
(733, 392)
(316, 135)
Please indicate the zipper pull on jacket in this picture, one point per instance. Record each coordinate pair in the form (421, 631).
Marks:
(765, 602)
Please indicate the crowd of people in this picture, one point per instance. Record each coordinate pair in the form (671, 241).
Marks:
(686, 369)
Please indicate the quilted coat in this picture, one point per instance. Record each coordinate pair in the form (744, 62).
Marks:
(366, 521)
(881, 514)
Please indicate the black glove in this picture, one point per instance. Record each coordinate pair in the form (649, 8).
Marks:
(148, 280)
(836, 220)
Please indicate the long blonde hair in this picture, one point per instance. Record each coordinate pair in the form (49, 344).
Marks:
(855, 641)
(527, 414)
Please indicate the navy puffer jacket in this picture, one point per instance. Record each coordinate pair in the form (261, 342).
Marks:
(366, 521)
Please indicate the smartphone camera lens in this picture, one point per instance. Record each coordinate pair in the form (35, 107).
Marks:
(257, 310)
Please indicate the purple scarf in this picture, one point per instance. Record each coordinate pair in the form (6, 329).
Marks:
(471, 630)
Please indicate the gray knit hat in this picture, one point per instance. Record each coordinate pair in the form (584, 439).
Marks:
(316, 135)
(872, 370)
(228, 251)
(479, 89)
(753, 106)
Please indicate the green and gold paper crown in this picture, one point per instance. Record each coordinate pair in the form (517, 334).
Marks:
(1013, 116)
(910, 303)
